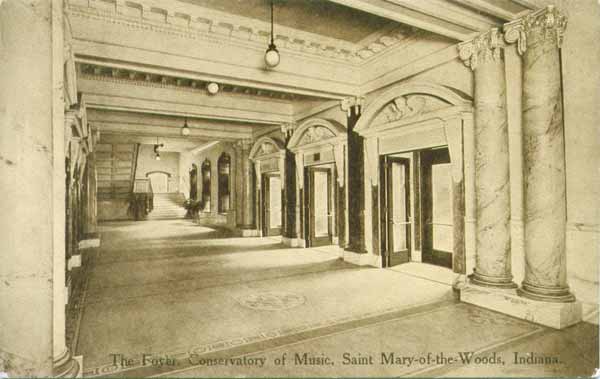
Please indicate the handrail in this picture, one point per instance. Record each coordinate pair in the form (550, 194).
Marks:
(136, 152)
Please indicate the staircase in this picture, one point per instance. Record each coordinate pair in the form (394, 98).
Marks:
(168, 206)
(115, 167)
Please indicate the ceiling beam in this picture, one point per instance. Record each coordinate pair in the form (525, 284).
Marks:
(489, 8)
(399, 13)
(445, 10)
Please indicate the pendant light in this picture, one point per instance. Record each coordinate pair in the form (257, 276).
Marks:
(156, 152)
(185, 130)
(272, 55)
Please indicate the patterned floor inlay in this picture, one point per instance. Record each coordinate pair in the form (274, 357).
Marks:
(248, 344)
(272, 300)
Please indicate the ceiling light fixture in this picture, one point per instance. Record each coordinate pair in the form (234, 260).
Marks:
(272, 55)
(185, 130)
(156, 147)
(212, 88)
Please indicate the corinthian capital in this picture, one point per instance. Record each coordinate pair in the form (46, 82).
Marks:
(287, 129)
(355, 102)
(485, 47)
(544, 25)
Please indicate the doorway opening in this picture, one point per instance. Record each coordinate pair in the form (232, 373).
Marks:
(417, 208)
(159, 181)
(271, 204)
(320, 205)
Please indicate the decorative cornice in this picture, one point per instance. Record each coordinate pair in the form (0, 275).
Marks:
(217, 26)
(139, 78)
(484, 48)
(544, 25)
(355, 102)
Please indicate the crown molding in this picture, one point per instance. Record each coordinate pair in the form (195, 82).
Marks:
(196, 22)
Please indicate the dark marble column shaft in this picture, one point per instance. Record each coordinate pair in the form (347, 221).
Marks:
(355, 186)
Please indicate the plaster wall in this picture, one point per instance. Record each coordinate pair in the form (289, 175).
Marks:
(169, 162)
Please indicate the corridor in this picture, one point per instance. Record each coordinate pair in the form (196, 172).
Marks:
(192, 295)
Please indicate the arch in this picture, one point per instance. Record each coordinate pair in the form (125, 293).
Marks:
(335, 128)
(158, 172)
(448, 95)
(257, 148)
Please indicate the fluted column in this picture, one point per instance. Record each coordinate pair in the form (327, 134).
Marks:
(539, 37)
(485, 56)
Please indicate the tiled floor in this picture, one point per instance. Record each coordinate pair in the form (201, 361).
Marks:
(180, 290)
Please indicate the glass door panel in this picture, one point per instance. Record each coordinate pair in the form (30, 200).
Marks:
(436, 207)
(275, 202)
(398, 211)
(321, 204)
(441, 184)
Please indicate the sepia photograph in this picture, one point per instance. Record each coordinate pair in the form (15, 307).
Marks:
(299, 188)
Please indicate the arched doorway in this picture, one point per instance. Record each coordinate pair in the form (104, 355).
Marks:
(268, 156)
(417, 136)
(319, 147)
(159, 181)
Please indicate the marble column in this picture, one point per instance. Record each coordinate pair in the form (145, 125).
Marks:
(485, 56)
(247, 198)
(355, 181)
(239, 185)
(290, 187)
(539, 37)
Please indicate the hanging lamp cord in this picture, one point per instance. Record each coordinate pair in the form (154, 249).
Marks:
(272, 39)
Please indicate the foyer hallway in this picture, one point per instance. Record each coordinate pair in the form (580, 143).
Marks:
(172, 288)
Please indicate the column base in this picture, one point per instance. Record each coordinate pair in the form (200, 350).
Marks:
(249, 232)
(89, 243)
(364, 259)
(492, 281)
(507, 301)
(66, 366)
(548, 294)
(289, 241)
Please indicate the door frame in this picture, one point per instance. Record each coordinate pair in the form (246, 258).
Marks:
(310, 238)
(429, 158)
(266, 206)
(389, 257)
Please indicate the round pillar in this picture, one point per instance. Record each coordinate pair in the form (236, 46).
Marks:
(485, 55)
(539, 36)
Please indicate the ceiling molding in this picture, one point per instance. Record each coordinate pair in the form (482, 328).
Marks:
(196, 22)
(137, 77)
